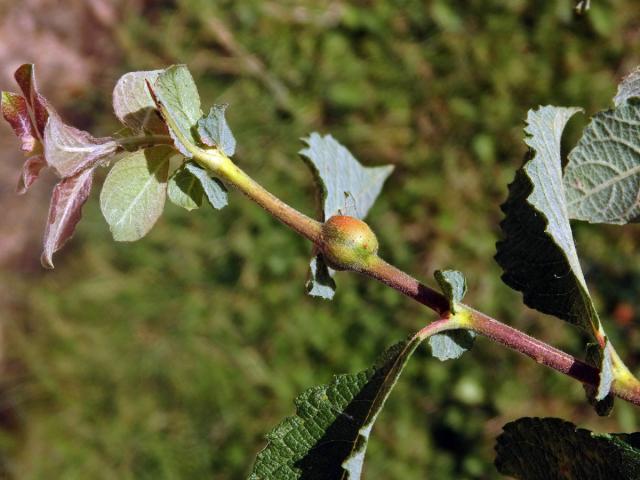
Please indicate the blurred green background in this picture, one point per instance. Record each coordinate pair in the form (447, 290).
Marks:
(173, 356)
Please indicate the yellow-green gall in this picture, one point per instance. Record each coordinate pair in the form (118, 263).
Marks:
(348, 243)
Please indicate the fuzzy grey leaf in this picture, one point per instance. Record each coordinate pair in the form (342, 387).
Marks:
(214, 189)
(215, 132)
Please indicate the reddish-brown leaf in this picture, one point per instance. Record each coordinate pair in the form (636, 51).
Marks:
(30, 172)
(16, 112)
(68, 197)
(25, 76)
(69, 150)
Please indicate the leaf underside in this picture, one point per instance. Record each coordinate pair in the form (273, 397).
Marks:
(551, 448)
(184, 190)
(134, 192)
(214, 189)
(451, 345)
(133, 104)
(629, 88)
(602, 177)
(65, 210)
(327, 438)
(537, 254)
(215, 132)
(48, 142)
(346, 187)
(69, 150)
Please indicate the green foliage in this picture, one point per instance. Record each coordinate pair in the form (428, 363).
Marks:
(543, 448)
(345, 188)
(185, 190)
(602, 176)
(215, 132)
(134, 192)
(328, 436)
(213, 188)
(178, 97)
(451, 345)
(453, 285)
(135, 395)
(538, 254)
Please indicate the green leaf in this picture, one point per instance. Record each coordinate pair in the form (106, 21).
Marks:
(453, 285)
(215, 132)
(538, 255)
(602, 177)
(451, 345)
(545, 448)
(346, 187)
(185, 190)
(133, 104)
(177, 97)
(214, 189)
(134, 192)
(328, 436)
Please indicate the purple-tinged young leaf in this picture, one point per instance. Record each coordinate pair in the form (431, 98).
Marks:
(133, 104)
(68, 197)
(30, 172)
(16, 112)
(25, 76)
(70, 151)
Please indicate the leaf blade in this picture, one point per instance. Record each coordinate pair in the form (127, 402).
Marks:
(179, 102)
(15, 111)
(30, 173)
(213, 188)
(537, 253)
(69, 150)
(133, 104)
(542, 448)
(185, 190)
(341, 177)
(451, 345)
(333, 423)
(65, 211)
(628, 88)
(215, 132)
(602, 177)
(133, 194)
(25, 76)
(345, 186)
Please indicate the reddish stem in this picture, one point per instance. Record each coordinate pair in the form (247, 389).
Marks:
(497, 331)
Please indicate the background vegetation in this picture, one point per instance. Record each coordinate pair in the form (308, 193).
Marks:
(173, 356)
